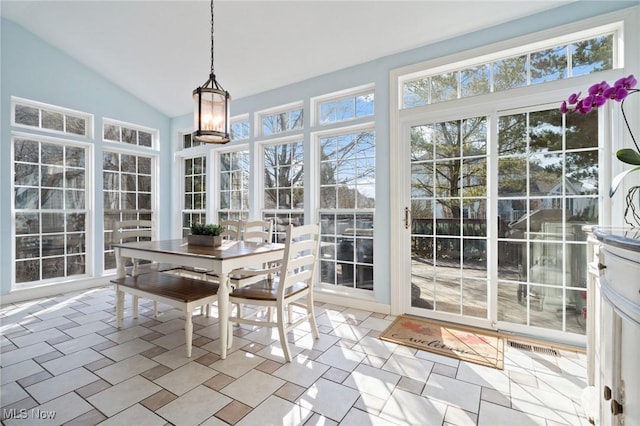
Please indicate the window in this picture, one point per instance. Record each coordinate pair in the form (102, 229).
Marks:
(346, 107)
(127, 191)
(234, 185)
(189, 142)
(448, 210)
(240, 129)
(512, 153)
(542, 248)
(50, 118)
(281, 121)
(283, 171)
(130, 134)
(195, 192)
(555, 62)
(347, 201)
(51, 209)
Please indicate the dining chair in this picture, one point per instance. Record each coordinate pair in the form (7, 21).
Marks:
(233, 229)
(260, 231)
(136, 230)
(287, 285)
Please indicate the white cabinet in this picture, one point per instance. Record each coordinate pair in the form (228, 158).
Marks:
(613, 327)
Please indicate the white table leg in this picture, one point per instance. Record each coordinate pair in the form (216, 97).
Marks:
(188, 331)
(120, 273)
(119, 307)
(223, 315)
(135, 306)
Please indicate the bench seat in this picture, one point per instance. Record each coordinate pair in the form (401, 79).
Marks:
(184, 293)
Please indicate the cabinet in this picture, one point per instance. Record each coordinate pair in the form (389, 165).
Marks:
(613, 327)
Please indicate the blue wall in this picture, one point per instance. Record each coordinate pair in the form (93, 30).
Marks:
(34, 70)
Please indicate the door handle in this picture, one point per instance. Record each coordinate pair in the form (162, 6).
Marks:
(407, 218)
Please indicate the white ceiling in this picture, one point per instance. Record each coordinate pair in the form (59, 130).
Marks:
(160, 50)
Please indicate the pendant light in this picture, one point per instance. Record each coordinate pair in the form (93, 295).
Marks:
(212, 105)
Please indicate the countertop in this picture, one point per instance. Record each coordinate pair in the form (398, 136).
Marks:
(626, 238)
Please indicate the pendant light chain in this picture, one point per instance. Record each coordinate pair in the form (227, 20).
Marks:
(212, 70)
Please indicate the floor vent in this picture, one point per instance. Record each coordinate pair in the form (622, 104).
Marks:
(534, 348)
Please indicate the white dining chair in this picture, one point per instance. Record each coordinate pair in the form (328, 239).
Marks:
(285, 286)
(136, 230)
(259, 231)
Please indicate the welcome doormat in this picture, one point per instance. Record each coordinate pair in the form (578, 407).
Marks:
(455, 341)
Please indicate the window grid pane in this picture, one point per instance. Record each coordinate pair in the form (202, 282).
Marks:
(127, 193)
(50, 235)
(282, 121)
(50, 118)
(448, 211)
(240, 130)
(114, 132)
(550, 64)
(541, 246)
(347, 199)
(194, 192)
(346, 108)
(234, 185)
(283, 186)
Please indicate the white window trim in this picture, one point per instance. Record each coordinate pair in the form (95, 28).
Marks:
(514, 47)
(215, 171)
(90, 231)
(336, 96)
(369, 126)
(258, 181)
(259, 115)
(41, 105)
(121, 148)
(155, 134)
(335, 289)
(623, 20)
(238, 119)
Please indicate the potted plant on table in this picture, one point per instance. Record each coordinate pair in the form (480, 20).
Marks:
(598, 95)
(205, 235)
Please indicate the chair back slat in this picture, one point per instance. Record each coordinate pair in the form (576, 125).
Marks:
(132, 230)
(260, 231)
(300, 257)
(233, 229)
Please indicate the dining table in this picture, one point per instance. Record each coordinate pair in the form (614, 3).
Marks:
(219, 261)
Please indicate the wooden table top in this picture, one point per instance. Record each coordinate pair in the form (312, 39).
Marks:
(228, 249)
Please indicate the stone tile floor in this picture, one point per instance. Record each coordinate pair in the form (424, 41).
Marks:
(64, 362)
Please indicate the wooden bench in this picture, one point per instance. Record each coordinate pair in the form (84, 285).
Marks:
(180, 292)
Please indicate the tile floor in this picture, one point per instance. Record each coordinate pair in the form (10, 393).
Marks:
(64, 362)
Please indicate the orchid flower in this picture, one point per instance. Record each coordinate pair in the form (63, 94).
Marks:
(598, 95)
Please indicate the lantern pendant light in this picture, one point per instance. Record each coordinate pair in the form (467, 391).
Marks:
(212, 106)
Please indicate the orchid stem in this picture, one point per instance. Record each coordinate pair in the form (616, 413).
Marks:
(624, 116)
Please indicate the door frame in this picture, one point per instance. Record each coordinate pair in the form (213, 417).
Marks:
(400, 201)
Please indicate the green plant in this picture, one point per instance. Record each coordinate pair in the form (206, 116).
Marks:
(206, 229)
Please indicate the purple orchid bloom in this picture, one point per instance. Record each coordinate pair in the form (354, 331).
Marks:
(584, 106)
(563, 107)
(598, 88)
(574, 98)
(599, 94)
(616, 93)
(626, 82)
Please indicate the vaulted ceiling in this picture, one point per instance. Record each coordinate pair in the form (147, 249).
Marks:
(160, 50)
